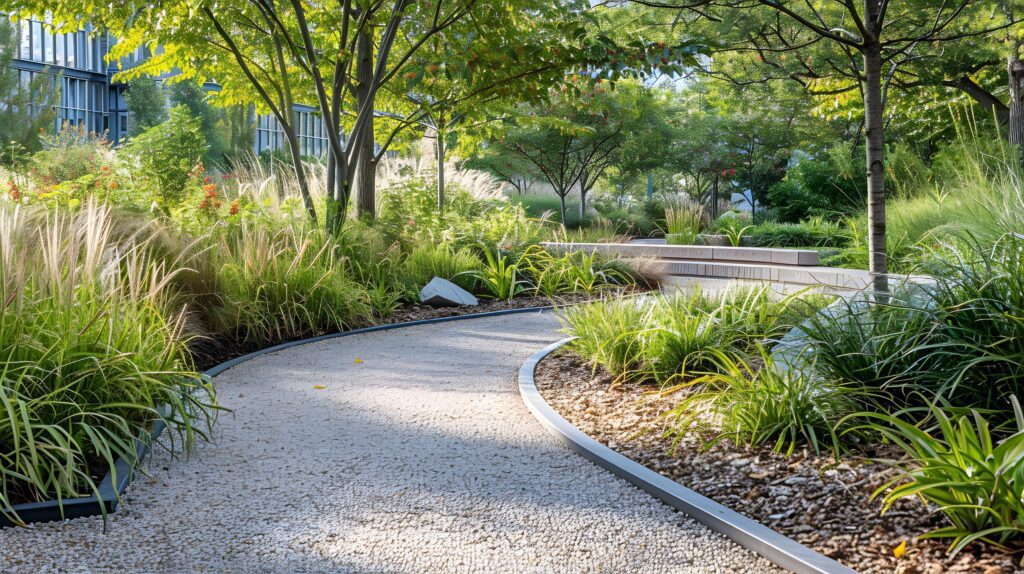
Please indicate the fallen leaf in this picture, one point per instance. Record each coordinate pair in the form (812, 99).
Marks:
(900, 550)
(319, 387)
(358, 361)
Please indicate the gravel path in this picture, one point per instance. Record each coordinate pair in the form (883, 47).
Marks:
(416, 456)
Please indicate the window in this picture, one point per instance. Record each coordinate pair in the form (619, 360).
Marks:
(37, 41)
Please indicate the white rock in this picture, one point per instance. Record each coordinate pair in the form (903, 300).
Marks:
(443, 293)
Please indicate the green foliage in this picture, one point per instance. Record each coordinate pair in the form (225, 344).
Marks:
(213, 122)
(610, 333)
(760, 402)
(285, 284)
(573, 272)
(955, 341)
(167, 156)
(674, 338)
(813, 232)
(733, 227)
(428, 261)
(974, 479)
(26, 109)
(825, 186)
(147, 106)
(91, 346)
(683, 222)
(500, 277)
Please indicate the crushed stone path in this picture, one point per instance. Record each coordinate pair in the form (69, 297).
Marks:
(417, 456)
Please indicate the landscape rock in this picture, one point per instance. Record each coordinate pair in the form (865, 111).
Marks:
(443, 293)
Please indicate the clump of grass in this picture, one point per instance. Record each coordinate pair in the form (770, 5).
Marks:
(683, 222)
(91, 345)
(759, 402)
(440, 260)
(286, 284)
(958, 465)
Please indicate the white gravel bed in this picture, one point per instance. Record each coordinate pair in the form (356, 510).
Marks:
(416, 456)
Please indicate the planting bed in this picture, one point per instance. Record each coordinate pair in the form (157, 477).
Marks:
(208, 353)
(818, 502)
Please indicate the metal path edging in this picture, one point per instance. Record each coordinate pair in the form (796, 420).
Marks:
(115, 482)
(748, 533)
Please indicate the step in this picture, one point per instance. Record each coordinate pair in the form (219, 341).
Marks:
(764, 255)
(782, 274)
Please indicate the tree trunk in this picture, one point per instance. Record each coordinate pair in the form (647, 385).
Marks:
(583, 194)
(561, 203)
(366, 170)
(650, 186)
(300, 172)
(874, 136)
(440, 169)
(714, 198)
(1015, 127)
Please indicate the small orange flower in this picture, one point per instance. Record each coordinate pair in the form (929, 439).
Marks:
(235, 207)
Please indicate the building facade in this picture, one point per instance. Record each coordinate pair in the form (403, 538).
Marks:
(89, 97)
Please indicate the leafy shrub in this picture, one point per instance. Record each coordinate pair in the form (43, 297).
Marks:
(91, 346)
(538, 206)
(764, 403)
(974, 480)
(824, 186)
(166, 155)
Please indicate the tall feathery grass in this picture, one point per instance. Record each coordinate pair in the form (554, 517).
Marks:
(91, 350)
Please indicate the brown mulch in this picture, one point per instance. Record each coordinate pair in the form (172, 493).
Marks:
(821, 503)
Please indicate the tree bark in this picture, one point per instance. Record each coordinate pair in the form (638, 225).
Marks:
(366, 170)
(1015, 127)
(561, 203)
(440, 169)
(583, 194)
(874, 136)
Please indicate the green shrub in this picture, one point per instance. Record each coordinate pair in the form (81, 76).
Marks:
(428, 261)
(973, 479)
(763, 403)
(546, 206)
(814, 232)
(829, 185)
(166, 156)
(91, 345)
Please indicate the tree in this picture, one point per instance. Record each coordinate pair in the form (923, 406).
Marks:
(26, 110)
(845, 46)
(146, 104)
(571, 140)
(212, 121)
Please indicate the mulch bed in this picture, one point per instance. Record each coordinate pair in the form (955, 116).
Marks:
(821, 503)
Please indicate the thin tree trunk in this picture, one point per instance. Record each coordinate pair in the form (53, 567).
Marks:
(365, 184)
(440, 169)
(583, 194)
(875, 141)
(714, 198)
(1015, 73)
(650, 186)
(561, 203)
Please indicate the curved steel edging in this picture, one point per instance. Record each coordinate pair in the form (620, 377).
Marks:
(116, 481)
(748, 533)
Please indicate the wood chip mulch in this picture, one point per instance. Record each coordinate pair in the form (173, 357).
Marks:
(821, 503)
